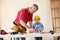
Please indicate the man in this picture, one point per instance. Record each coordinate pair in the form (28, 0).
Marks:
(25, 15)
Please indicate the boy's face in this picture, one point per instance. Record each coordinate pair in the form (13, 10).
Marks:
(37, 21)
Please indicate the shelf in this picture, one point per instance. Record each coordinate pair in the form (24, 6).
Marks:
(56, 8)
(56, 17)
(56, 27)
(55, 0)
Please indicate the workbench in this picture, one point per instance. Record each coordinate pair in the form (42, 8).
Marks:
(29, 35)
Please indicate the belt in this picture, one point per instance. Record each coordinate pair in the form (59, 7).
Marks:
(21, 26)
(14, 23)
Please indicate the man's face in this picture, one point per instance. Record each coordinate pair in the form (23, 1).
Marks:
(33, 9)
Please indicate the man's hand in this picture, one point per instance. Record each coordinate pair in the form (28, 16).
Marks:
(23, 24)
(30, 24)
(31, 30)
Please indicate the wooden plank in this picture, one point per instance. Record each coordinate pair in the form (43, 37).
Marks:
(56, 17)
(56, 8)
(55, 0)
(56, 27)
(52, 14)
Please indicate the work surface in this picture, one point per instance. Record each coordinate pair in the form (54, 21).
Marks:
(31, 35)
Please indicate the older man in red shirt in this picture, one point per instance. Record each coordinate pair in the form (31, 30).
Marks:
(25, 15)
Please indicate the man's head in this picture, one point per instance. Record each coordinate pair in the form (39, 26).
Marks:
(33, 8)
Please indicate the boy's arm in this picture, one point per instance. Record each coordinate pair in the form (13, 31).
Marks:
(40, 28)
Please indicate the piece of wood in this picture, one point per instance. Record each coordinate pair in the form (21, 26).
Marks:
(53, 13)
(56, 17)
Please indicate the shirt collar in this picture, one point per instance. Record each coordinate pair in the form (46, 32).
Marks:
(28, 11)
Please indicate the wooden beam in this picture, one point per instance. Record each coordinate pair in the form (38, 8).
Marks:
(56, 17)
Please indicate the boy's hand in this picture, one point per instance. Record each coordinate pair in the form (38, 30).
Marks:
(32, 30)
(39, 29)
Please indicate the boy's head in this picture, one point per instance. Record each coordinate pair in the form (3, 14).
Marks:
(37, 19)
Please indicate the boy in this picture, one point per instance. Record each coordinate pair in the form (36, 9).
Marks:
(38, 26)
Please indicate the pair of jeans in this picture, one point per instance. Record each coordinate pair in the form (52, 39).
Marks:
(38, 38)
(23, 38)
(20, 38)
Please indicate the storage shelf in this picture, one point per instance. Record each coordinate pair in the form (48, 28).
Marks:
(55, 0)
(56, 17)
(55, 9)
(56, 27)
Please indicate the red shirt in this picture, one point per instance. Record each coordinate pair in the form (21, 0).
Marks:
(24, 15)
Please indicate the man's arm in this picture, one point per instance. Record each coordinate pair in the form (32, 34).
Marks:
(23, 24)
(30, 24)
(30, 29)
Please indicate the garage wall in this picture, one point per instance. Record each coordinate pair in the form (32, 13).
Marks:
(9, 9)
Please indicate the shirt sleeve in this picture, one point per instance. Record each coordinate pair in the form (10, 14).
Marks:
(42, 26)
(33, 25)
(22, 15)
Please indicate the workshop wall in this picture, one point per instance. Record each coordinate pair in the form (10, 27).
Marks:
(10, 8)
